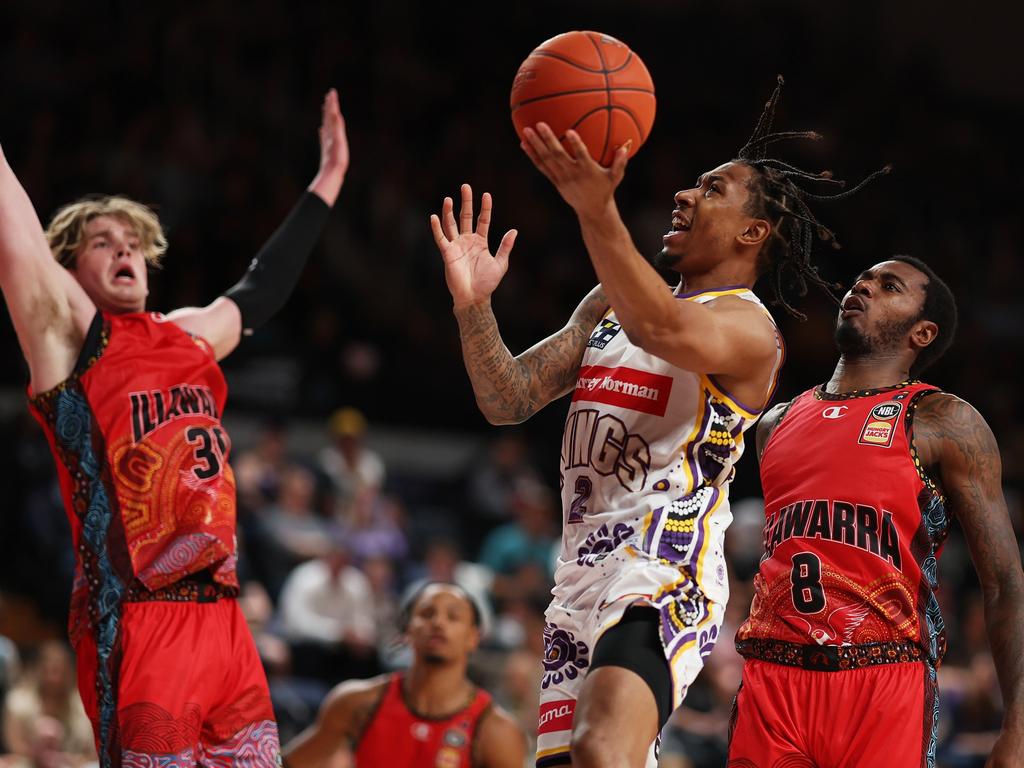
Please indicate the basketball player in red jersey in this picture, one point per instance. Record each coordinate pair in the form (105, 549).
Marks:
(431, 715)
(131, 403)
(659, 381)
(862, 476)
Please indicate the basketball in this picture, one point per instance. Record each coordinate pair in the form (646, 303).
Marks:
(591, 83)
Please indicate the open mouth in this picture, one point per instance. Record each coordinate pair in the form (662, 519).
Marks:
(124, 275)
(681, 223)
(852, 303)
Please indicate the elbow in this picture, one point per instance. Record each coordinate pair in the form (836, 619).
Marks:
(502, 416)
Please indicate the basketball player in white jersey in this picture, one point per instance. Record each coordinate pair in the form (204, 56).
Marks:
(664, 382)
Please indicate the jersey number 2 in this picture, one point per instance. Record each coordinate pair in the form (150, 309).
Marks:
(808, 595)
(578, 508)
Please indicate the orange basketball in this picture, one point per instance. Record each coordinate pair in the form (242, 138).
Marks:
(591, 83)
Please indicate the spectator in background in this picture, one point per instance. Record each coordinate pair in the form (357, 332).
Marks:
(290, 532)
(44, 720)
(349, 464)
(492, 481)
(259, 471)
(326, 611)
(522, 553)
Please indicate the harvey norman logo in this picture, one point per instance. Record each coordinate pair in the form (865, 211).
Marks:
(624, 387)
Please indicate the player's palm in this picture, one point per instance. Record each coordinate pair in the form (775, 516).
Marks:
(471, 271)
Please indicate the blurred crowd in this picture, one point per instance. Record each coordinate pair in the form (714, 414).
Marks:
(210, 114)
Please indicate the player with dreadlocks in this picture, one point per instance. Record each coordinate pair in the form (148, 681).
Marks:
(664, 384)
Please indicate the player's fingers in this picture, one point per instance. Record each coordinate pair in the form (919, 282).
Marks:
(579, 150)
(439, 239)
(535, 158)
(483, 221)
(505, 248)
(539, 151)
(466, 210)
(551, 142)
(451, 230)
(621, 157)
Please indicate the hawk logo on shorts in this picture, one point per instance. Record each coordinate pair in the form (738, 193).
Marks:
(605, 332)
(880, 425)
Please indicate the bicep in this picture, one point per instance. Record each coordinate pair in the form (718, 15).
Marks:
(971, 472)
(219, 324)
(553, 364)
(724, 337)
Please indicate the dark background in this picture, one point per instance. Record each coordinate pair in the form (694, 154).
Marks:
(209, 111)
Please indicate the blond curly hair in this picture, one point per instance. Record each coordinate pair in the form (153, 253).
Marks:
(68, 226)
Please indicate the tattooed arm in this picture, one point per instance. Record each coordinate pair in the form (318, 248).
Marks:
(953, 439)
(511, 389)
(508, 389)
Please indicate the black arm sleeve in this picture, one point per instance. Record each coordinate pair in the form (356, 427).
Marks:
(273, 273)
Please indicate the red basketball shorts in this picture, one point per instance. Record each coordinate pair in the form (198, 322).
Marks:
(875, 717)
(178, 683)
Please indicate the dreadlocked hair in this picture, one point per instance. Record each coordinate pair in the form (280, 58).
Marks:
(777, 195)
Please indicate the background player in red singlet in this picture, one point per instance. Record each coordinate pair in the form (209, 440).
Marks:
(131, 403)
(431, 715)
(861, 478)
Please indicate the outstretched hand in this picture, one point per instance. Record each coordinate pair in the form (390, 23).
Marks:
(470, 270)
(581, 181)
(333, 150)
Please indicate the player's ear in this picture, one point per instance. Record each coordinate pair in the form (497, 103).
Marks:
(923, 333)
(756, 232)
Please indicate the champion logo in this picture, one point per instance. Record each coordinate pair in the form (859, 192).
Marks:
(835, 412)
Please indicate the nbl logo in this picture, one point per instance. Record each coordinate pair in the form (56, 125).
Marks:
(885, 411)
(880, 425)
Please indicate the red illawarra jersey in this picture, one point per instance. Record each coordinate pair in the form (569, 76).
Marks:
(400, 738)
(853, 528)
(142, 459)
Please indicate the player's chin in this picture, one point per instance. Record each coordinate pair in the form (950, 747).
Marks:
(125, 299)
(666, 259)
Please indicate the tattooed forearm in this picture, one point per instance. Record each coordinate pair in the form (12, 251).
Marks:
(953, 438)
(500, 382)
(511, 389)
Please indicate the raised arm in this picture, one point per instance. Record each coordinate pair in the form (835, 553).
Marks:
(953, 436)
(274, 272)
(727, 337)
(343, 716)
(508, 389)
(50, 311)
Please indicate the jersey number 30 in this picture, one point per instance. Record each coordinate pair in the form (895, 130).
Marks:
(210, 448)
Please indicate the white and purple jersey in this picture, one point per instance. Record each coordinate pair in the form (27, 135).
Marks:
(647, 455)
